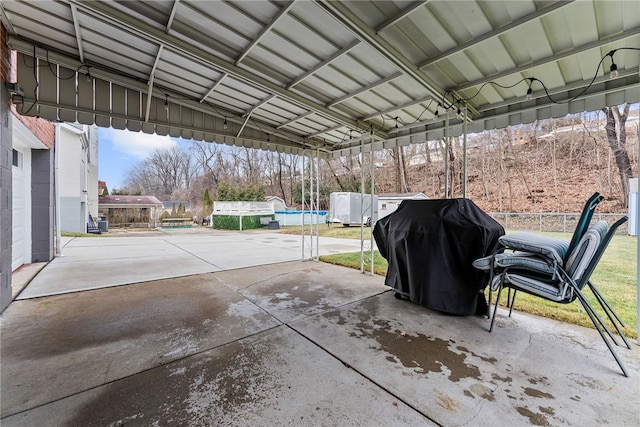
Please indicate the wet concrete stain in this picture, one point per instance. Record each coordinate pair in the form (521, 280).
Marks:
(419, 352)
(503, 379)
(547, 410)
(298, 291)
(110, 315)
(299, 296)
(199, 391)
(492, 360)
(483, 391)
(537, 393)
(177, 318)
(425, 354)
(535, 419)
(536, 380)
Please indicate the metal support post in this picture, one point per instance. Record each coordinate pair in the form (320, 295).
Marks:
(361, 205)
(464, 152)
(373, 187)
(304, 155)
(317, 216)
(447, 144)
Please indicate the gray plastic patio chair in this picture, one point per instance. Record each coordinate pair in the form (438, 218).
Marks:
(538, 266)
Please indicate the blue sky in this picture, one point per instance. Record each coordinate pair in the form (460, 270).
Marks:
(120, 150)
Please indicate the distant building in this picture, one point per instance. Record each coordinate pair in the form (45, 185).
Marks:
(102, 188)
(277, 202)
(389, 202)
(77, 175)
(130, 211)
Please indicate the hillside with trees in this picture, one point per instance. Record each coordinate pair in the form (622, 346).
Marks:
(548, 166)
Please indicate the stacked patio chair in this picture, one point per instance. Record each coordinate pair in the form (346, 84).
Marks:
(556, 270)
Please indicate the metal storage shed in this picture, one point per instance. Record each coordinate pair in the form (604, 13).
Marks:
(389, 202)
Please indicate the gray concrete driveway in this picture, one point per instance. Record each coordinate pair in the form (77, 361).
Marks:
(207, 329)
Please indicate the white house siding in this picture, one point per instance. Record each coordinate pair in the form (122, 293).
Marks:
(77, 176)
(71, 215)
(92, 172)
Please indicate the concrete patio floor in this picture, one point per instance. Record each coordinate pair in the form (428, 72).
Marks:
(202, 328)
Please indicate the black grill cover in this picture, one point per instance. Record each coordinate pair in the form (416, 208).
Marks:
(430, 246)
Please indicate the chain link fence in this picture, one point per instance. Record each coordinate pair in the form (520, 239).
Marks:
(560, 222)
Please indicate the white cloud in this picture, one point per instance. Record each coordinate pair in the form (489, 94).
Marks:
(136, 144)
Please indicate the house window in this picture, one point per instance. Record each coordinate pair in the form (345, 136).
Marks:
(17, 159)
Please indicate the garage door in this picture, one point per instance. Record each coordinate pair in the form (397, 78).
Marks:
(18, 244)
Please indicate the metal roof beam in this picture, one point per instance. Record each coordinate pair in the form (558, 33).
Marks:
(322, 132)
(215, 85)
(222, 134)
(564, 90)
(5, 20)
(295, 119)
(361, 30)
(365, 89)
(26, 47)
(363, 134)
(398, 107)
(324, 63)
(264, 31)
(172, 16)
(76, 27)
(248, 114)
(247, 117)
(260, 104)
(400, 15)
(501, 112)
(495, 33)
(554, 58)
(439, 119)
(144, 30)
(152, 77)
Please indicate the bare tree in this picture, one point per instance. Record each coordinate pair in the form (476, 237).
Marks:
(617, 141)
(162, 173)
(280, 177)
(204, 155)
(399, 163)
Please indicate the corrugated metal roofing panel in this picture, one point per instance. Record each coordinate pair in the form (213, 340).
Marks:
(347, 64)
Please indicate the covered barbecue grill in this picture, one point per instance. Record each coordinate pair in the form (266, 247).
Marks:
(430, 246)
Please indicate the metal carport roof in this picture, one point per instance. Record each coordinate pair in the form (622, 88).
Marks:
(321, 75)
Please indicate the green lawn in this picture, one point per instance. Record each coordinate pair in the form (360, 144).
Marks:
(615, 277)
(332, 230)
(77, 234)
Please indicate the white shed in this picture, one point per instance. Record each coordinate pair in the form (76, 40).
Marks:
(278, 203)
(389, 202)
